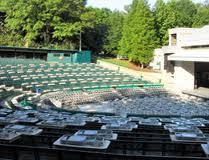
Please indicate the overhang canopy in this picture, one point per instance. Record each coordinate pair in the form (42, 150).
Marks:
(192, 57)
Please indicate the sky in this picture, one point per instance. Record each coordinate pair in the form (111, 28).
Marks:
(118, 4)
(111, 4)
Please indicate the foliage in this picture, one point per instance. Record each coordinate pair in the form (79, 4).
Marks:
(93, 38)
(174, 13)
(9, 38)
(202, 16)
(184, 12)
(161, 13)
(139, 37)
(44, 19)
(133, 33)
(114, 34)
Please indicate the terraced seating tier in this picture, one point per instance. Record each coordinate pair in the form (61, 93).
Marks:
(144, 142)
(32, 74)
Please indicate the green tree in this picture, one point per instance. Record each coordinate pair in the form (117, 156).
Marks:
(174, 13)
(10, 38)
(44, 20)
(139, 36)
(202, 16)
(183, 12)
(161, 13)
(124, 44)
(93, 38)
(114, 33)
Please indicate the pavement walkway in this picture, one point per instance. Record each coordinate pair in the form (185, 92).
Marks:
(154, 77)
(200, 92)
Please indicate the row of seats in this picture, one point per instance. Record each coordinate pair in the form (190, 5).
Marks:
(48, 134)
(91, 96)
(29, 75)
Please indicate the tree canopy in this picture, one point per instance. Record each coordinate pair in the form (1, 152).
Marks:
(139, 36)
(174, 13)
(202, 16)
(43, 20)
(133, 33)
(114, 34)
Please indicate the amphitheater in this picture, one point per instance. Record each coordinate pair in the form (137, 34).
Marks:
(82, 111)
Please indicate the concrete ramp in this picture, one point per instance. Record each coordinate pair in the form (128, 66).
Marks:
(200, 92)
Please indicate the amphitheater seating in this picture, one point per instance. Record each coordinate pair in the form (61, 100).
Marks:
(31, 74)
(97, 96)
(144, 142)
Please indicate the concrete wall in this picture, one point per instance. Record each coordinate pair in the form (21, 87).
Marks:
(184, 75)
(158, 60)
(184, 55)
(190, 36)
(71, 57)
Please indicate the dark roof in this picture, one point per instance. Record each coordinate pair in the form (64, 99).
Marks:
(39, 50)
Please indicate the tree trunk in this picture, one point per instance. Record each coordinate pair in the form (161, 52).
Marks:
(27, 43)
(142, 66)
(46, 35)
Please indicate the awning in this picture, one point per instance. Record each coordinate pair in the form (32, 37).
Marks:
(192, 57)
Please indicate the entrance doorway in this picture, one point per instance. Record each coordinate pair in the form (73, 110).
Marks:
(168, 65)
(201, 74)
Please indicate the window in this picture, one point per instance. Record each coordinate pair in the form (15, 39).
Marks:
(173, 39)
(56, 55)
(67, 55)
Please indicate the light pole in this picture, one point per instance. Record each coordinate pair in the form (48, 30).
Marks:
(80, 43)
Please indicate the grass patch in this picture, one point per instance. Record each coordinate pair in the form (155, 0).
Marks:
(115, 61)
(126, 64)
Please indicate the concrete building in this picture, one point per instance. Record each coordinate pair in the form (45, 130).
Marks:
(186, 57)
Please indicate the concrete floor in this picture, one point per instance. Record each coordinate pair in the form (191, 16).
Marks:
(200, 92)
(96, 108)
(151, 105)
(154, 77)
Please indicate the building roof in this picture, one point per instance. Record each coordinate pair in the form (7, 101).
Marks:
(179, 30)
(192, 37)
(34, 50)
